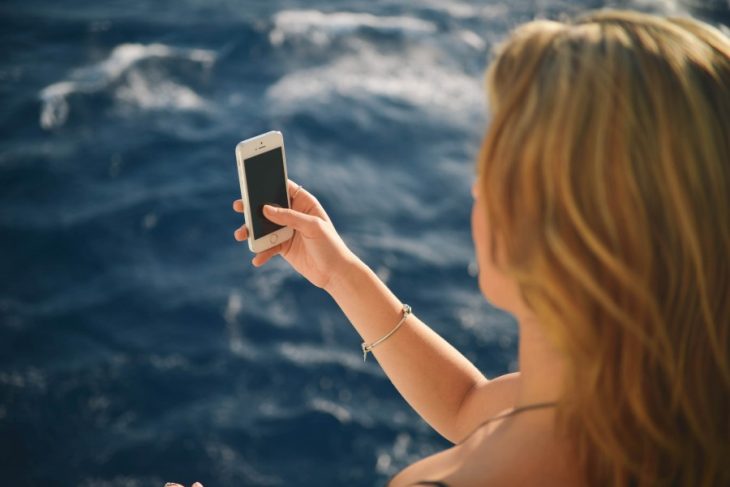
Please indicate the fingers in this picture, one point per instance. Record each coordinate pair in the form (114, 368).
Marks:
(294, 188)
(197, 484)
(263, 257)
(172, 484)
(238, 204)
(291, 218)
(241, 233)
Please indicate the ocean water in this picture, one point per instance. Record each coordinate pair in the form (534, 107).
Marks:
(137, 343)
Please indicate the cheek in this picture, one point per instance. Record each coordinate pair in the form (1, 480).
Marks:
(495, 286)
(479, 235)
(482, 248)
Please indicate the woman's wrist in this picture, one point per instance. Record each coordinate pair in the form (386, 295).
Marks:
(366, 301)
(344, 278)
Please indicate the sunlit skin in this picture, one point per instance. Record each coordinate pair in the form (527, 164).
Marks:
(437, 381)
(314, 248)
(440, 384)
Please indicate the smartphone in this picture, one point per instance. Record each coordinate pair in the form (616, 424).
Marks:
(262, 173)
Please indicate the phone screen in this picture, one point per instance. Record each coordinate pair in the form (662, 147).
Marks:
(266, 186)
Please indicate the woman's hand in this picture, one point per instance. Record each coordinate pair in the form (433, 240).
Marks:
(173, 484)
(315, 251)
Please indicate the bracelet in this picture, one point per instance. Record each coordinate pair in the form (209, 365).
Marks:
(369, 348)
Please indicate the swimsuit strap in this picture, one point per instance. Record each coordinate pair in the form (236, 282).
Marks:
(513, 412)
(521, 409)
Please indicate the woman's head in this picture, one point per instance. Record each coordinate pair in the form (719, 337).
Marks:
(604, 183)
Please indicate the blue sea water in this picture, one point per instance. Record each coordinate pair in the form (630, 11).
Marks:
(137, 343)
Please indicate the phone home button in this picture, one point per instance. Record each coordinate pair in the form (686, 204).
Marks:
(274, 238)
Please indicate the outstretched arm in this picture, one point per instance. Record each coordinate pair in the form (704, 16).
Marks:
(435, 379)
(445, 388)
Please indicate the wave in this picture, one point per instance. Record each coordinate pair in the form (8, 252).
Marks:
(344, 64)
(33, 378)
(340, 413)
(118, 73)
(416, 81)
(305, 356)
(321, 28)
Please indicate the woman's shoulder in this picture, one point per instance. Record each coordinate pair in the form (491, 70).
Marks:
(521, 450)
(514, 451)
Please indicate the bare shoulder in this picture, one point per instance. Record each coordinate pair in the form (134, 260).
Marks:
(485, 401)
(520, 450)
(517, 451)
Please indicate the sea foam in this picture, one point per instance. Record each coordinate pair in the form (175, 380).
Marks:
(117, 74)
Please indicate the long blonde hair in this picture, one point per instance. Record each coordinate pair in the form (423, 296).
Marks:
(606, 176)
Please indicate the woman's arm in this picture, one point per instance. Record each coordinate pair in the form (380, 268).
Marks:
(445, 388)
(437, 381)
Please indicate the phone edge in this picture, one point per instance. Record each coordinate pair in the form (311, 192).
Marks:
(285, 233)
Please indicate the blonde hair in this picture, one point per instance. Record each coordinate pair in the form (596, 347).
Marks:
(606, 177)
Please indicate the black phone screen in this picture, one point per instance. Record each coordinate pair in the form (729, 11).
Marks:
(266, 186)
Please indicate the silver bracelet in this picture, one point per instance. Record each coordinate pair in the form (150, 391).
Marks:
(369, 348)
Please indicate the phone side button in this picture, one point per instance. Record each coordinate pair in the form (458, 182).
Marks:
(273, 239)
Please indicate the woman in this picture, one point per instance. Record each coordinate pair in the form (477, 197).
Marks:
(601, 221)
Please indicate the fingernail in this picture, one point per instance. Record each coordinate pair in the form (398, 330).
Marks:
(270, 209)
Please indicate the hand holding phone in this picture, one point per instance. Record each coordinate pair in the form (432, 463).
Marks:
(262, 173)
(316, 251)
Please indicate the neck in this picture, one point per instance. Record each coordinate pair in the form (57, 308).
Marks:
(541, 366)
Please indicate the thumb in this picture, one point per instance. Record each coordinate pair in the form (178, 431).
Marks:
(291, 218)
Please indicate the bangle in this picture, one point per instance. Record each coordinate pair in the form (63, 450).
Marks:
(369, 348)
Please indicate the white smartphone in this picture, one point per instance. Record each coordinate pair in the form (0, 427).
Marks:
(262, 173)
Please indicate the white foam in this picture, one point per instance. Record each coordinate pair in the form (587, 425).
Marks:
(233, 307)
(463, 10)
(433, 248)
(31, 378)
(459, 10)
(411, 77)
(307, 355)
(667, 7)
(230, 464)
(320, 27)
(122, 60)
(149, 94)
(470, 38)
(168, 362)
(337, 411)
(236, 341)
(399, 454)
